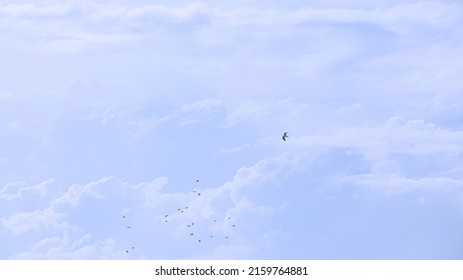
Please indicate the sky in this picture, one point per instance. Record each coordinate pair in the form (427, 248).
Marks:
(114, 114)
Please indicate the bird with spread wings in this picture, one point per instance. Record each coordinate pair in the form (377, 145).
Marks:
(285, 135)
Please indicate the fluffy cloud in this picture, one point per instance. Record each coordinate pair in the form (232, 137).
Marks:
(17, 190)
(84, 218)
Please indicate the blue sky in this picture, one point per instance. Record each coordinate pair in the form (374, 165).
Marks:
(116, 108)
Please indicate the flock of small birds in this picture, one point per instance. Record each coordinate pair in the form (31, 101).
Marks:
(185, 208)
(128, 227)
(192, 232)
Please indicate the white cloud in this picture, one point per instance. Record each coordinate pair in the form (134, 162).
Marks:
(152, 191)
(76, 191)
(180, 13)
(109, 24)
(396, 136)
(232, 150)
(34, 10)
(16, 190)
(144, 204)
(249, 111)
(66, 247)
(395, 183)
(22, 222)
(201, 110)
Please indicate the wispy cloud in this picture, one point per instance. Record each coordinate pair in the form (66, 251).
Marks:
(16, 190)
(395, 183)
(201, 110)
(66, 247)
(39, 219)
(108, 24)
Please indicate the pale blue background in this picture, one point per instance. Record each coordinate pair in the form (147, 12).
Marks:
(112, 108)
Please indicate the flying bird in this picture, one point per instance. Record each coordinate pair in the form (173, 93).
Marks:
(123, 217)
(197, 180)
(285, 135)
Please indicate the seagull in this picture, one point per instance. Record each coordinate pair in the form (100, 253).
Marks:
(285, 135)
(123, 217)
(191, 233)
(127, 251)
(233, 225)
(186, 207)
(179, 209)
(129, 227)
(199, 240)
(166, 216)
(212, 236)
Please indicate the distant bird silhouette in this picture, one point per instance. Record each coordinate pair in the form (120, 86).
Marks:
(199, 240)
(229, 218)
(186, 207)
(123, 217)
(197, 180)
(129, 227)
(188, 225)
(133, 248)
(191, 233)
(226, 237)
(179, 209)
(233, 225)
(212, 236)
(127, 251)
(165, 221)
(285, 135)
(166, 216)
